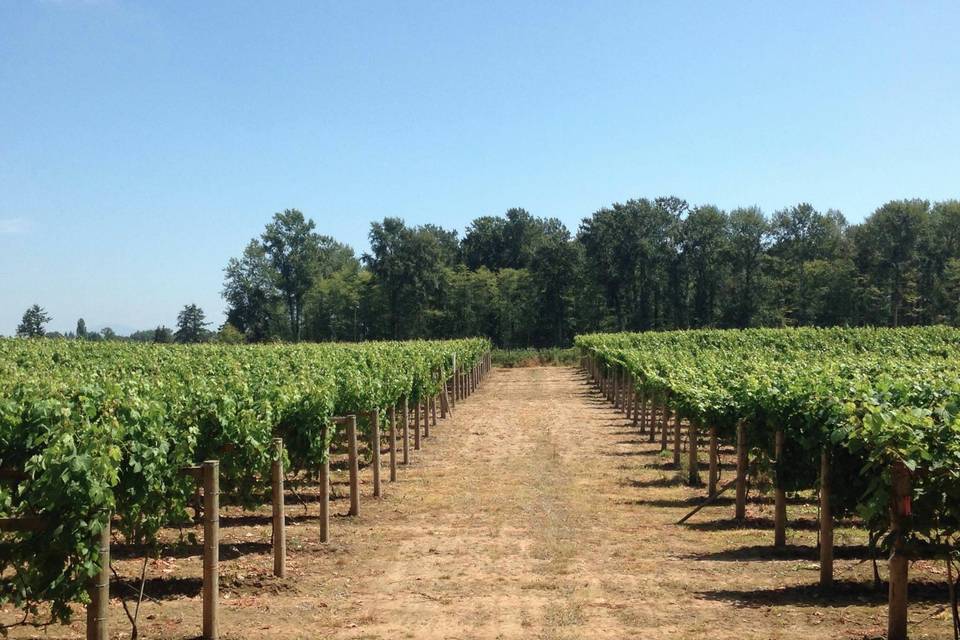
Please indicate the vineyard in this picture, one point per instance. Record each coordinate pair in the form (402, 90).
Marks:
(868, 418)
(100, 437)
(136, 448)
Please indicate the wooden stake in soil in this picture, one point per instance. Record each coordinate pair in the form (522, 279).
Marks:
(375, 444)
(100, 588)
(664, 421)
(406, 430)
(433, 412)
(426, 418)
(393, 444)
(741, 509)
(899, 566)
(826, 523)
(676, 439)
(692, 461)
(618, 388)
(279, 529)
(325, 491)
(354, 466)
(444, 402)
(780, 496)
(453, 382)
(652, 421)
(416, 426)
(211, 548)
(714, 476)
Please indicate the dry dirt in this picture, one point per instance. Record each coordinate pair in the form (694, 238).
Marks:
(537, 511)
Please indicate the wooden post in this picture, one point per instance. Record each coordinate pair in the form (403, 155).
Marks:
(692, 455)
(393, 444)
(426, 417)
(714, 476)
(375, 443)
(664, 421)
(211, 548)
(640, 414)
(676, 439)
(652, 421)
(826, 523)
(354, 465)
(741, 508)
(780, 496)
(616, 387)
(416, 426)
(433, 412)
(453, 381)
(405, 416)
(100, 588)
(444, 402)
(325, 491)
(279, 529)
(899, 566)
(636, 409)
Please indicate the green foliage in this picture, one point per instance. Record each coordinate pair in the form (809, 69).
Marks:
(874, 397)
(660, 264)
(229, 334)
(533, 357)
(191, 325)
(34, 319)
(104, 428)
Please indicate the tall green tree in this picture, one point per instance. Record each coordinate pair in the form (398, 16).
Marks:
(251, 293)
(408, 264)
(888, 249)
(81, 329)
(704, 248)
(292, 247)
(555, 269)
(747, 240)
(191, 325)
(33, 322)
(801, 234)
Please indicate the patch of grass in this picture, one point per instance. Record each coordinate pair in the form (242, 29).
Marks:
(534, 357)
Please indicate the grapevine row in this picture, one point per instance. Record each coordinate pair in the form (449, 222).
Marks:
(91, 433)
(869, 417)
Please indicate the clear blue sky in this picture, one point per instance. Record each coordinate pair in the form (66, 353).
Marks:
(143, 143)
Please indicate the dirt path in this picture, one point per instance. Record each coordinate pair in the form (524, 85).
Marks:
(536, 512)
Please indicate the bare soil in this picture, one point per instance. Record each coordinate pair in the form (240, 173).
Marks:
(537, 511)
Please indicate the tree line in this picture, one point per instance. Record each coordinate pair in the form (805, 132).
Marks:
(191, 328)
(641, 265)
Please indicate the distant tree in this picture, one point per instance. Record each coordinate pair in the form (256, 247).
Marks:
(81, 329)
(484, 243)
(32, 324)
(555, 269)
(190, 325)
(704, 248)
(888, 243)
(748, 237)
(229, 334)
(250, 291)
(802, 234)
(108, 333)
(162, 335)
(447, 241)
(408, 264)
(292, 246)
